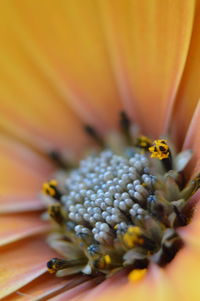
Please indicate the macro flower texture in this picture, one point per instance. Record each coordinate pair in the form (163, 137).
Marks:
(99, 150)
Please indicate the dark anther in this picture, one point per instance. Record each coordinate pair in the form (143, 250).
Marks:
(167, 163)
(94, 135)
(181, 219)
(56, 157)
(125, 124)
(55, 213)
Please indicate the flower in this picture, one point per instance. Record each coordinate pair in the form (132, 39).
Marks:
(65, 63)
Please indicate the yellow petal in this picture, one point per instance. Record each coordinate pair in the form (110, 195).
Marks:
(189, 90)
(15, 227)
(148, 43)
(21, 263)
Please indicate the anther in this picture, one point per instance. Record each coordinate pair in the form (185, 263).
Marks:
(55, 212)
(160, 150)
(143, 142)
(56, 264)
(50, 188)
(137, 275)
(56, 157)
(94, 135)
(133, 237)
(125, 124)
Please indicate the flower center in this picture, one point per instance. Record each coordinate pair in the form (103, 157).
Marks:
(119, 207)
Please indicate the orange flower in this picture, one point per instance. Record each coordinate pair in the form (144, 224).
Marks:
(68, 63)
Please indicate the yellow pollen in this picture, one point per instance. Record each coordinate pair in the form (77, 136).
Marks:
(159, 149)
(133, 237)
(107, 259)
(51, 271)
(48, 188)
(104, 261)
(137, 275)
(143, 142)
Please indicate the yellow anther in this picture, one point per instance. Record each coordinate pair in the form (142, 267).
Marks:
(48, 188)
(137, 275)
(160, 149)
(104, 261)
(133, 237)
(51, 271)
(143, 142)
(107, 259)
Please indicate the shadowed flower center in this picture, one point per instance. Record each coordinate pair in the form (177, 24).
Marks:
(120, 207)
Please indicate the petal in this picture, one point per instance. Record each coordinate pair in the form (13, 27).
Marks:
(192, 141)
(78, 290)
(189, 90)
(155, 285)
(184, 274)
(15, 227)
(20, 204)
(118, 280)
(191, 233)
(45, 286)
(49, 71)
(148, 43)
(21, 263)
(21, 177)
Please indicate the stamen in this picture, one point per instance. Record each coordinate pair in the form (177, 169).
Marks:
(50, 188)
(94, 135)
(55, 212)
(160, 150)
(133, 237)
(143, 142)
(125, 126)
(56, 264)
(56, 157)
(137, 275)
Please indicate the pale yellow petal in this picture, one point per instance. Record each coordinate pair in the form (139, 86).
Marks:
(54, 62)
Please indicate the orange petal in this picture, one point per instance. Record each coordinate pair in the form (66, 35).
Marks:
(78, 290)
(21, 263)
(17, 226)
(49, 70)
(44, 286)
(22, 170)
(192, 141)
(148, 43)
(189, 90)
(20, 204)
(118, 280)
